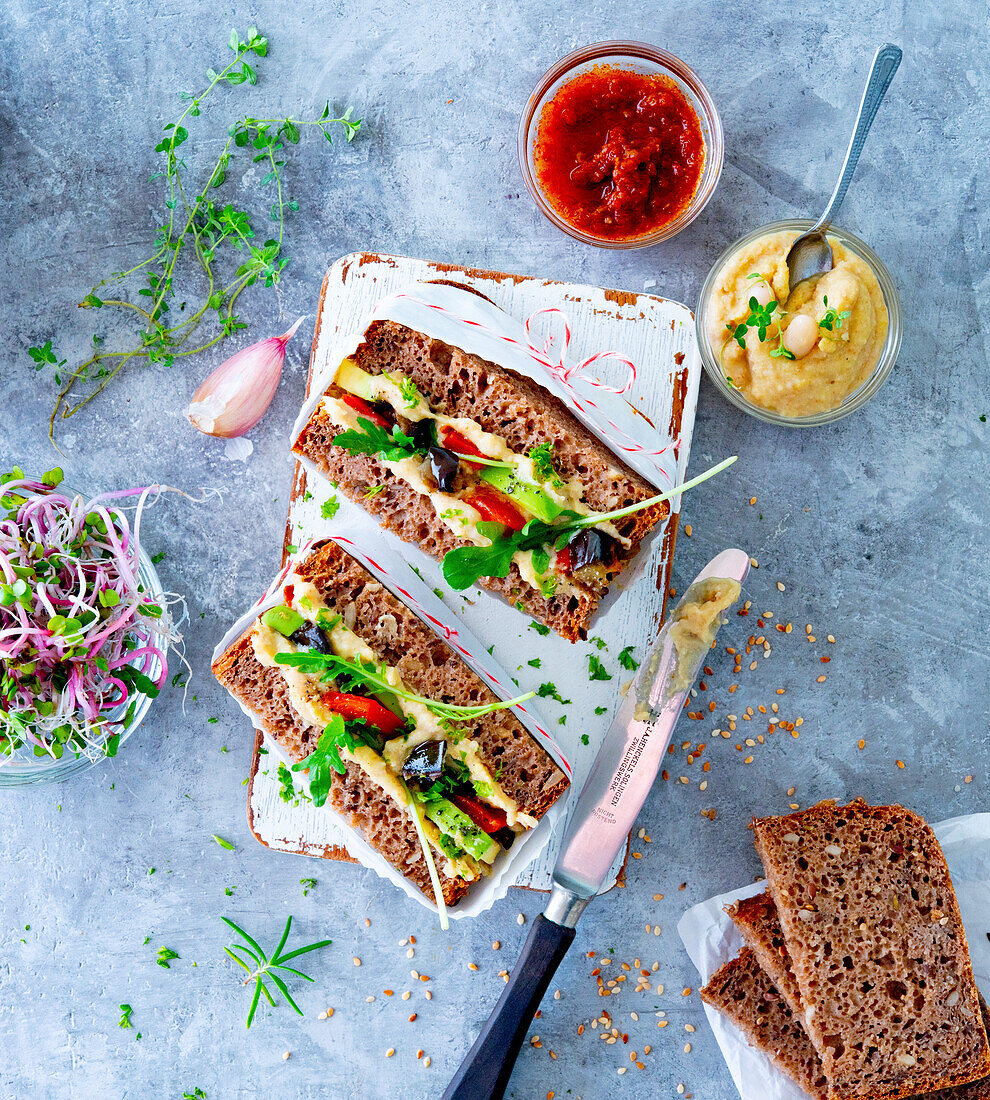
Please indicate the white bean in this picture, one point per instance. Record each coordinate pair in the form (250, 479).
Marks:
(800, 335)
(762, 291)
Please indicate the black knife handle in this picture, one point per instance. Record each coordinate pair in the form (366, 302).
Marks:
(487, 1066)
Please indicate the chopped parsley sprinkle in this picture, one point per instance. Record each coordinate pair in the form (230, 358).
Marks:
(584, 739)
(287, 791)
(627, 660)
(307, 884)
(600, 710)
(562, 720)
(535, 663)
(223, 843)
(540, 628)
(595, 669)
(156, 559)
(328, 509)
(125, 1016)
(598, 642)
(165, 954)
(549, 691)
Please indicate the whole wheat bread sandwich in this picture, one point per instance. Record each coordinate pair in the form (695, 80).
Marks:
(744, 992)
(392, 728)
(877, 948)
(456, 455)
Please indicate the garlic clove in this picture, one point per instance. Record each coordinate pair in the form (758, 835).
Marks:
(237, 394)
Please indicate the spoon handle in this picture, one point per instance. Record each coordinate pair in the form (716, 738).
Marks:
(885, 63)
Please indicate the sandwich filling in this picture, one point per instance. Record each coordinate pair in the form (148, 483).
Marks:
(409, 746)
(478, 486)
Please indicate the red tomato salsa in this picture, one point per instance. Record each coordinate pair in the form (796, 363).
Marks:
(619, 154)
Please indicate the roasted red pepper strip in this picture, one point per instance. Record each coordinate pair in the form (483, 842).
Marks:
(563, 562)
(362, 408)
(489, 818)
(493, 506)
(368, 710)
(454, 441)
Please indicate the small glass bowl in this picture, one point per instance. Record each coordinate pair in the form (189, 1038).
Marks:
(22, 768)
(854, 400)
(641, 58)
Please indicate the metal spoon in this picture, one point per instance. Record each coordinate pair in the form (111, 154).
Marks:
(811, 254)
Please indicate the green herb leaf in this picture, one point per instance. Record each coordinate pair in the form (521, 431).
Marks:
(627, 660)
(223, 843)
(165, 955)
(596, 671)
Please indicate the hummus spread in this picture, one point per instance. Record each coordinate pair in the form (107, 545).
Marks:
(828, 364)
(695, 624)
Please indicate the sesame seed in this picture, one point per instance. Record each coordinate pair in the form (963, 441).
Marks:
(689, 1027)
(389, 1052)
(900, 763)
(429, 995)
(413, 1017)
(330, 1012)
(687, 1048)
(496, 945)
(686, 992)
(357, 961)
(368, 1000)
(472, 966)
(285, 1055)
(520, 919)
(780, 587)
(411, 952)
(427, 1060)
(406, 995)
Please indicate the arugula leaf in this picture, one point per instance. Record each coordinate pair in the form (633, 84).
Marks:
(324, 760)
(353, 673)
(372, 439)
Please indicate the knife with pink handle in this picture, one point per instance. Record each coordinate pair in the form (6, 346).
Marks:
(621, 777)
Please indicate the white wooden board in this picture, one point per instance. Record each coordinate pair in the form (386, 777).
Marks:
(658, 336)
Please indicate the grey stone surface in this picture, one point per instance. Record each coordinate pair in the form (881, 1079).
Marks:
(875, 525)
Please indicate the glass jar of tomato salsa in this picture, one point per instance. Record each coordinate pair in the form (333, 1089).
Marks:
(620, 145)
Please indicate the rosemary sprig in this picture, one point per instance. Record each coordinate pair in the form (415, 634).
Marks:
(200, 228)
(266, 965)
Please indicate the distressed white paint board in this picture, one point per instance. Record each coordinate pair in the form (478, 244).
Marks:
(658, 336)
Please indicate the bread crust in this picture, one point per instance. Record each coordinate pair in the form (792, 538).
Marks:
(427, 665)
(504, 403)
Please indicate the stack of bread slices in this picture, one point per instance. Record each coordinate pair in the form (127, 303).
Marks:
(856, 978)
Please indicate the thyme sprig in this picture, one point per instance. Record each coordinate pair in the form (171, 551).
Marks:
(201, 229)
(832, 319)
(265, 965)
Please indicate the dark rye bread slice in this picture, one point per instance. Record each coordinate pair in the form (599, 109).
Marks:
(758, 923)
(428, 666)
(506, 404)
(756, 918)
(742, 991)
(877, 947)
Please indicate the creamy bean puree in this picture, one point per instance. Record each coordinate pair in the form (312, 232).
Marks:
(696, 622)
(802, 366)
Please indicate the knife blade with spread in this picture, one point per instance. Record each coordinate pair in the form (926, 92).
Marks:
(621, 778)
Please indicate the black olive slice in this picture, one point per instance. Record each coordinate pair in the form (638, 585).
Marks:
(589, 546)
(309, 636)
(425, 761)
(424, 434)
(444, 465)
